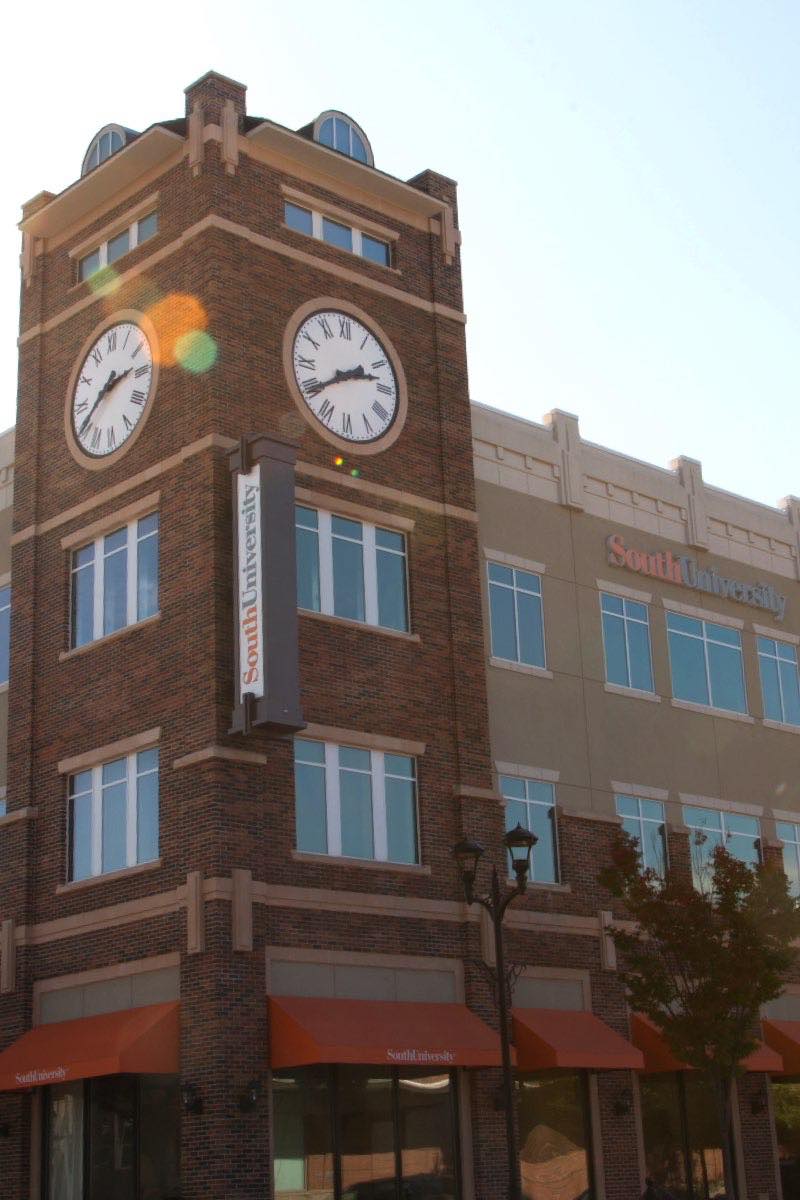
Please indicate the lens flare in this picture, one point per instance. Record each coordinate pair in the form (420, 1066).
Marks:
(104, 282)
(196, 351)
(173, 318)
(355, 472)
(338, 461)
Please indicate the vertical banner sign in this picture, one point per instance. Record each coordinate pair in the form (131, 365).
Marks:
(251, 568)
(266, 667)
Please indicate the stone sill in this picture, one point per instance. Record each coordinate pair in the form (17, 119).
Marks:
(783, 726)
(352, 624)
(523, 668)
(370, 863)
(708, 711)
(76, 651)
(78, 885)
(617, 689)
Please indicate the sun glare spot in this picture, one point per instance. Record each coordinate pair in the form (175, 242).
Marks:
(196, 351)
(174, 318)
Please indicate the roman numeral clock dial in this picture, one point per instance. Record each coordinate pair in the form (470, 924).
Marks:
(345, 377)
(112, 392)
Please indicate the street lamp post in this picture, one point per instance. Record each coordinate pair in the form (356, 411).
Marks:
(519, 843)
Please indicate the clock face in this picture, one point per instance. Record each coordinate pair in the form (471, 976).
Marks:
(345, 376)
(113, 389)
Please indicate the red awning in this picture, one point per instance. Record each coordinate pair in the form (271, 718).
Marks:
(784, 1038)
(550, 1037)
(306, 1030)
(135, 1041)
(659, 1057)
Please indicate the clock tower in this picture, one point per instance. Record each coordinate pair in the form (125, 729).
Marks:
(220, 291)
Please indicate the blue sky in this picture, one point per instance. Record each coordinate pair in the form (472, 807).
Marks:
(629, 175)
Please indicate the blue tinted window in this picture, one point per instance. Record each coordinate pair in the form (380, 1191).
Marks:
(336, 234)
(515, 610)
(89, 265)
(789, 834)
(531, 804)
(147, 228)
(82, 624)
(709, 828)
(5, 632)
(355, 802)
(147, 806)
(118, 246)
(626, 641)
(780, 685)
(115, 581)
(706, 662)
(326, 132)
(147, 567)
(390, 554)
(375, 250)
(348, 569)
(298, 218)
(307, 534)
(310, 805)
(401, 808)
(644, 821)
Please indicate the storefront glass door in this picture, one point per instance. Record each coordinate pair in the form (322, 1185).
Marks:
(364, 1133)
(555, 1145)
(681, 1135)
(786, 1103)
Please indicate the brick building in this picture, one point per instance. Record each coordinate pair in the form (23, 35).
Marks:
(235, 957)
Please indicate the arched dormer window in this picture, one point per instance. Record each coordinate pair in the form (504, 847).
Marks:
(105, 143)
(340, 132)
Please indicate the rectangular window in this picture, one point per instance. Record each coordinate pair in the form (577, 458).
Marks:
(644, 821)
(709, 828)
(532, 804)
(123, 242)
(780, 685)
(555, 1149)
(146, 228)
(5, 633)
(114, 581)
(114, 815)
(351, 569)
(347, 1132)
(706, 662)
(626, 642)
(789, 834)
(515, 607)
(345, 237)
(355, 803)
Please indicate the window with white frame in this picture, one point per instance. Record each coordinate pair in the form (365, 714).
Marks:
(706, 661)
(789, 834)
(127, 239)
(516, 618)
(531, 803)
(113, 811)
(346, 237)
(710, 828)
(626, 642)
(780, 685)
(108, 141)
(5, 633)
(114, 581)
(644, 821)
(352, 569)
(355, 803)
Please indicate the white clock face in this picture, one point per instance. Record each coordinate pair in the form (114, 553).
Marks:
(345, 376)
(113, 389)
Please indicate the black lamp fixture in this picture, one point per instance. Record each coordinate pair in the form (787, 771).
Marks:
(191, 1100)
(251, 1095)
(519, 845)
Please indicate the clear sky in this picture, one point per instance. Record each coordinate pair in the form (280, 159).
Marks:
(629, 174)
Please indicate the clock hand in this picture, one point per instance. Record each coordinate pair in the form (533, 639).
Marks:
(340, 377)
(112, 383)
(112, 379)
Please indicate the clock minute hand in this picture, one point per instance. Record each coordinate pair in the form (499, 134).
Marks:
(112, 379)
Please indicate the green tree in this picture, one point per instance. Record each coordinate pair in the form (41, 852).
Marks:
(701, 963)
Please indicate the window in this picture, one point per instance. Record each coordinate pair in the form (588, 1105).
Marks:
(515, 606)
(118, 1135)
(740, 835)
(532, 805)
(115, 581)
(789, 834)
(114, 815)
(107, 253)
(347, 1131)
(706, 663)
(340, 133)
(5, 633)
(554, 1135)
(107, 142)
(355, 803)
(780, 686)
(345, 237)
(351, 569)
(681, 1134)
(626, 641)
(644, 821)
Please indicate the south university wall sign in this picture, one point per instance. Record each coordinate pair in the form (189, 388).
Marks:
(687, 572)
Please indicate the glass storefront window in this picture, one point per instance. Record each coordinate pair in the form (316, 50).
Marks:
(555, 1154)
(365, 1133)
(681, 1135)
(786, 1104)
(118, 1135)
